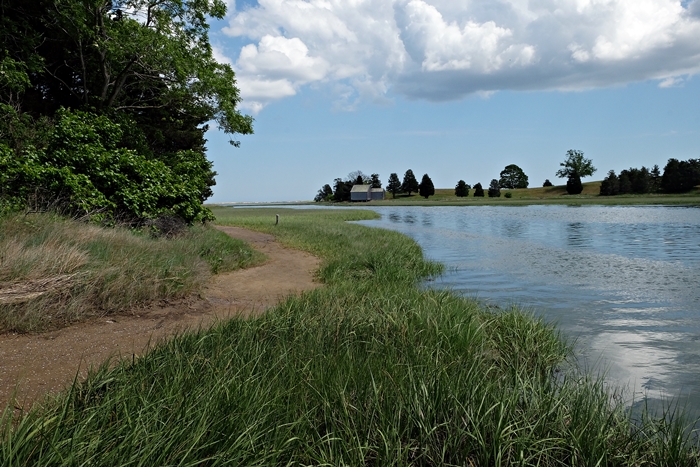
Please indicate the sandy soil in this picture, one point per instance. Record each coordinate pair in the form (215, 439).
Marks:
(32, 366)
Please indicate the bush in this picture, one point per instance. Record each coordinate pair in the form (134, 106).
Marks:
(508, 195)
(574, 185)
(82, 171)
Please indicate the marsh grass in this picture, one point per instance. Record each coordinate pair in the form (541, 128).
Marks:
(366, 371)
(54, 271)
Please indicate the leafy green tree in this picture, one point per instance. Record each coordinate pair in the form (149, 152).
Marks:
(494, 189)
(478, 190)
(144, 65)
(462, 189)
(426, 187)
(375, 182)
(513, 177)
(547, 183)
(393, 185)
(574, 168)
(324, 194)
(410, 184)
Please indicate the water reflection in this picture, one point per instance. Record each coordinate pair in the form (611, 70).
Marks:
(622, 281)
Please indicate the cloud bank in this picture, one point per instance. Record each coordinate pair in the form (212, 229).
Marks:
(442, 50)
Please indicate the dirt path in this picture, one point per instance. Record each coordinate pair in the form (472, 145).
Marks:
(34, 365)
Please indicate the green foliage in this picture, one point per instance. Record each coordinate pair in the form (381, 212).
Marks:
(426, 187)
(513, 177)
(478, 190)
(680, 176)
(610, 186)
(393, 185)
(462, 189)
(574, 168)
(410, 184)
(494, 189)
(508, 195)
(114, 97)
(547, 183)
(324, 194)
(83, 172)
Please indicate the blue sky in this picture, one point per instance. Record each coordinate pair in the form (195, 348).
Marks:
(454, 89)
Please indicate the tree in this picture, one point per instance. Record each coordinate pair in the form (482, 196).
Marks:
(358, 178)
(574, 168)
(376, 183)
(144, 65)
(625, 183)
(547, 183)
(610, 186)
(655, 179)
(513, 177)
(680, 176)
(341, 190)
(324, 194)
(462, 189)
(393, 185)
(478, 190)
(494, 189)
(410, 184)
(426, 187)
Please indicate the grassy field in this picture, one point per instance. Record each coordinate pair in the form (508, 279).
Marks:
(55, 271)
(540, 195)
(369, 370)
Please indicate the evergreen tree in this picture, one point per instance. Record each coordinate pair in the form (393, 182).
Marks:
(394, 185)
(610, 186)
(324, 194)
(655, 179)
(478, 190)
(462, 189)
(625, 183)
(410, 184)
(426, 187)
(376, 183)
(547, 183)
(494, 189)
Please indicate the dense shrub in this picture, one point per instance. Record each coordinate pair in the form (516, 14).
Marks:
(79, 167)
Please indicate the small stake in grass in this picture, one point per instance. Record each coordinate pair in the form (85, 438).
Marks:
(277, 219)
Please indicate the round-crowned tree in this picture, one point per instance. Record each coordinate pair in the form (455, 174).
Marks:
(513, 177)
(547, 183)
(478, 190)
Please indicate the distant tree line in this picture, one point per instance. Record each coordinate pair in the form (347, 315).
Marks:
(342, 188)
(678, 177)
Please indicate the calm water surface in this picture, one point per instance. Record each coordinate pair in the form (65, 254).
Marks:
(622, 281)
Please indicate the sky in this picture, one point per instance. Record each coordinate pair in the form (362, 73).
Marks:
(457, 89)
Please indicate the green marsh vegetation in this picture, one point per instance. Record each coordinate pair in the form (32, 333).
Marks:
(368, 370)
(54, 270)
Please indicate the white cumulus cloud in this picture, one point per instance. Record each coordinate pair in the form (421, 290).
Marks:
(447, 49)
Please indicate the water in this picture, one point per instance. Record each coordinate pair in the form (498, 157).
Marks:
(622, 281)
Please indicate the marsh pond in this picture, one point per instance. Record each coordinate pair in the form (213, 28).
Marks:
(623, 282)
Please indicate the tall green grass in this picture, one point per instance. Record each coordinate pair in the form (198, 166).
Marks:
(365, 371)
(61, 271)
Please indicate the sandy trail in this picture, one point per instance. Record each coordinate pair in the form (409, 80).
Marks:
(34, 365)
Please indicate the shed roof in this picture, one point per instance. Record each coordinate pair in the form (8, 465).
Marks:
(360, 189)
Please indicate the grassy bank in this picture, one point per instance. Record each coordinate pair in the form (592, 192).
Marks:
(55, 271)
(368, 370)
(539, 195)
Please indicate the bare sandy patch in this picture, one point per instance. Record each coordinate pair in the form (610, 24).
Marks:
(33, 365)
